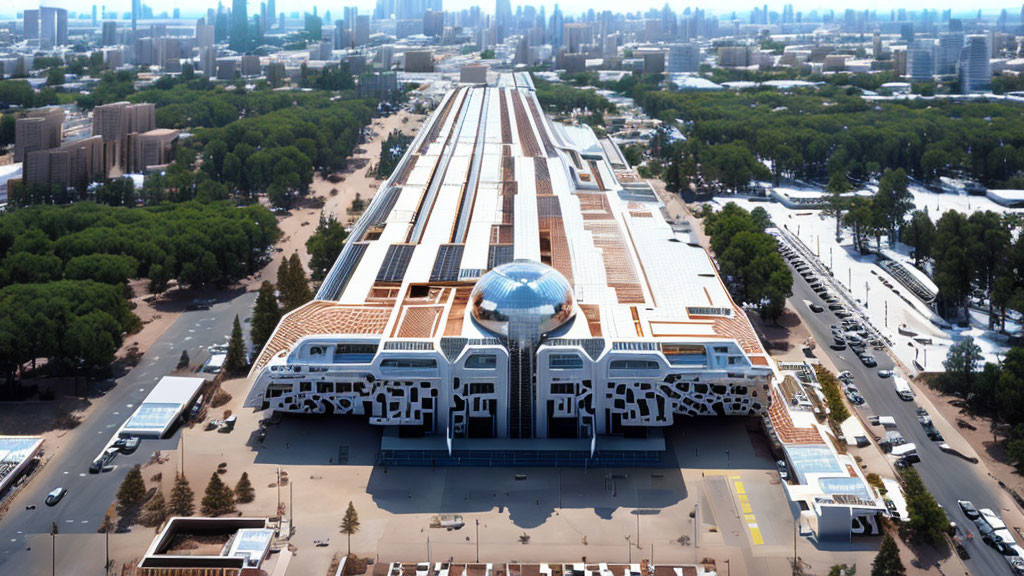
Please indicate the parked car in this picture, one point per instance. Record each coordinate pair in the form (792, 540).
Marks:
(816, 309)
(868, 360)
(885, 373)
(56, 496)
(967, 507)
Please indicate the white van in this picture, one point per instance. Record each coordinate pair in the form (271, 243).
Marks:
(904, 450)
(902, 388)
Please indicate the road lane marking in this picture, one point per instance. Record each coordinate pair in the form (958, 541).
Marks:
(748, 512)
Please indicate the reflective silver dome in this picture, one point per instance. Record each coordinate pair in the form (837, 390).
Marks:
(522, 300)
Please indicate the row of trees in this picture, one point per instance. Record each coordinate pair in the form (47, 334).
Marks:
(217, 500)
(272, 302)
(391, 151)
(197, 244)
(563, 98)
(749, 258)
(811, 134)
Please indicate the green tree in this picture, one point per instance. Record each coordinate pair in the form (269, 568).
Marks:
(324, 246)
(892, 202)
(292, 284)
(156, 509)
(842, 570)
(1010, 389)
(235, 359)
(350, 524)
(219, 499)
(244, 491)
(132, 491)
(55, 77)
(182, 498)
(887, 562)
(927, 520)
(838, 184)
(961, 364)
(919, 234)
(1015, 447)
(859, 217)
(265, 316)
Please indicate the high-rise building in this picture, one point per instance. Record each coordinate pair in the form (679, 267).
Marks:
(41, 129)
(271, 13)
(362, 30)
(683, 58)
(30, 24)
(53, 27)
(114, 122)
(975, 66)
(239, 39)
(921, 60)
(109, 33)
(947, 54)
(136, 14)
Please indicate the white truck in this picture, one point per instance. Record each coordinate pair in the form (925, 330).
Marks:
(902, 388)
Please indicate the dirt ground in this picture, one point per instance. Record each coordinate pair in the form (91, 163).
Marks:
(300, 223)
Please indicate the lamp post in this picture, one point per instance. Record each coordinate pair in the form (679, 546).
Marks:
(477, 540)
(629, 549)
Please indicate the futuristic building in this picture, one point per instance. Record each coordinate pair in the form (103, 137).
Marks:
(515, 279)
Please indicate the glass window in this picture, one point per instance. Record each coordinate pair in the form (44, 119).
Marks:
(634, 365)
(408, 363)
(565, 362)
(481, 388)
(563, 388)
(482, 361)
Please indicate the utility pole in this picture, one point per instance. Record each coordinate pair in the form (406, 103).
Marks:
(795, 560)
(278, 488)
(638, 547)
(696, 534)
(629, 549)
(106, 565)
(477, 540)
(291, 505)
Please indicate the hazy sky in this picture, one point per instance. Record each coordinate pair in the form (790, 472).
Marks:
(571, 6)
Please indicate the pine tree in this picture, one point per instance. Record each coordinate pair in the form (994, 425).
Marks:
(265, 316)
(182, 498)
(887, 562)
(156, 509)
(350, 524)
(132, 490)
(218, 498)
(235, 361)
(295, 289)
(244, 491)
(283, 276)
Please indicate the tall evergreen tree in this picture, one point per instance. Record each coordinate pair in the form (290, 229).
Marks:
(156, 509)
(132, 490)
(836, 202)
(235, 360)
(218, 498)
(244, 491)
(265, 316)
(303, 293)
(887, 562)
(350, 524)
(182, 498)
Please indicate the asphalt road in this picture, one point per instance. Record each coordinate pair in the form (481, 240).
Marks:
(90, 495)
(948, 477)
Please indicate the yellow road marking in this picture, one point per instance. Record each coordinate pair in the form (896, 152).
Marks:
(748, 511)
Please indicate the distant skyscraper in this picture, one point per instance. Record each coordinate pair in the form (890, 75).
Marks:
(109, 33)
(30, 24)
(94, 16)
(975, 67)
(271, 13)
(239, 25)
(136, 14)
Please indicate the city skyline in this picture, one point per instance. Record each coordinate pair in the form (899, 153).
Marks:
(198, 8)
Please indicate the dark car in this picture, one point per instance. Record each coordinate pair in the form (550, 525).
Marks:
(967, 507)
(868, 360)
(816, 309)
(56, 496)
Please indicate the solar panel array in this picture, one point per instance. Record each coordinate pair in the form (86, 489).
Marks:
(446, 265)
(396, 261)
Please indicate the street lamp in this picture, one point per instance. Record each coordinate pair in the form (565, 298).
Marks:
(477, 540)
(629, 548)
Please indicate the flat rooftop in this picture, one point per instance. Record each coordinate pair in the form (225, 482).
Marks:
(163, 405)
(488, 180)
